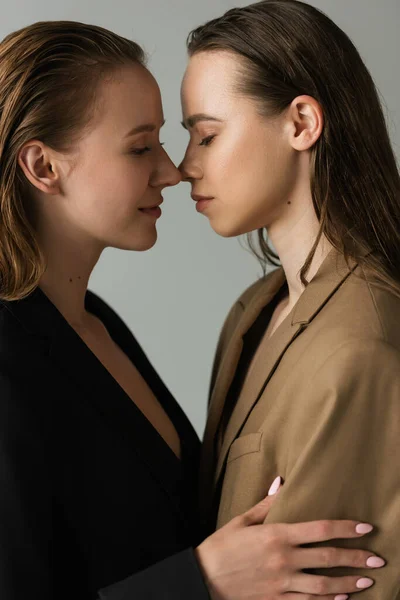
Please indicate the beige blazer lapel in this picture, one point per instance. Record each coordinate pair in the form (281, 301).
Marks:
(330, 276)
(226, 372)
(262, 371)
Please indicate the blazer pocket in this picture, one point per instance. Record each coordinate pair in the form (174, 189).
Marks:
(243, 483)
(245, 445)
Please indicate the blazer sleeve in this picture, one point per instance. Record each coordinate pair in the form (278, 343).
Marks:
(349, 467)
(26, 518)
(175, 578)
(25, 499)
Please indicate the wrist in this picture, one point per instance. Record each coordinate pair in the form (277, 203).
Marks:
(204, 559)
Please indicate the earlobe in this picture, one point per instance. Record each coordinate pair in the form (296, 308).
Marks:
(38, 168)
(308, 120)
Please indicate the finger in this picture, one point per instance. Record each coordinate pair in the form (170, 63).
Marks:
(321, 531)
(258, 513)
(323, 586)
(295, 596)
(326, 558)
(276, 484)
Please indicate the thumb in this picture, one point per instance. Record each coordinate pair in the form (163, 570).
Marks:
(257, 514)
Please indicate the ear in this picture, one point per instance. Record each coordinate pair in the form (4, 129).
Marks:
(307, 119)
(40, 167)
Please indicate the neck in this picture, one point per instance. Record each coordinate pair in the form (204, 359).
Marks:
(65, 281)
(293, 241)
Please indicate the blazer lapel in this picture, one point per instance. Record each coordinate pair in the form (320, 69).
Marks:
(330, 276)
(95, 384)
(263, 370)
(223, 381)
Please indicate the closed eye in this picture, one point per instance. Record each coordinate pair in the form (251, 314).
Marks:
(144, 150)
(140, 151)
(207, 140)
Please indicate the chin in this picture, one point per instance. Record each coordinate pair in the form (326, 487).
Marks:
(145, 242)
(226, 229)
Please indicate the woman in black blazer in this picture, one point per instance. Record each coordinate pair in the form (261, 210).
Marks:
(95, 500)
(111, 498)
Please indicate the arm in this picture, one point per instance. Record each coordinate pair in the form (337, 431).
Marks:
(175, 578)
(25, 503)
(349, 467)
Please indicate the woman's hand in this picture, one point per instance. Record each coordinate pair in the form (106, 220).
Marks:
(249, 560)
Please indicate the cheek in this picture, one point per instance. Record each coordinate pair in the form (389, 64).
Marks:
(222, 168)
(130, 186)
(252, 186)
(128, 177)
(118, 187)
(104, 197)
(233, 162)
(257, 171)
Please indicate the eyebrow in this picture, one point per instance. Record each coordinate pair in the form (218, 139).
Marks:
(143, 128)
(191, 121)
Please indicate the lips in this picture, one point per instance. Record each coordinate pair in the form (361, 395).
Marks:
(153, 211)
(152, 206)
(198, 198)
(202, 202)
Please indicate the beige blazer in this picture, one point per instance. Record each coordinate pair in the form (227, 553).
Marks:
(321, 409)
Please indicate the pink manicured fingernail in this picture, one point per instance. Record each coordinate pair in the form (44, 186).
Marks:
(364, 582)
(375, 561)
(364, 528)
(341, 597)
(275, 486)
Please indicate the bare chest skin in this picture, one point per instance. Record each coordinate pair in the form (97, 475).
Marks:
(97, 338)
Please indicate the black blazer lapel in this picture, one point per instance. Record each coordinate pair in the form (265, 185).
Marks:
(58, 340)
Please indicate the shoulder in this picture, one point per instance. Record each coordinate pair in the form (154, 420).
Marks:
(360, 370)
(386, 308)
(25, 416)
(20, 351)
(360, 312)
(363, 353)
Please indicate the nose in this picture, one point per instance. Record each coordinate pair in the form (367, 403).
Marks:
(181, 169)
(189, 170)
(175, 176)
(167, 174)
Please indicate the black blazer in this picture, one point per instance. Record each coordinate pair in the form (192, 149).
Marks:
(92, 500)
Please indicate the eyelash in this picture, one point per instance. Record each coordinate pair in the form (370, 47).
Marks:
(207, 140)
(141, 151)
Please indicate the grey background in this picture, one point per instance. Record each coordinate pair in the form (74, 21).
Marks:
(176, 296)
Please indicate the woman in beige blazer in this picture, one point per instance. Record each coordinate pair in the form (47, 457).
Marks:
(287, 136)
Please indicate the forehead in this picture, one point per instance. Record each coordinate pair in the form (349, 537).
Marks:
(131, 95)
(209, 75)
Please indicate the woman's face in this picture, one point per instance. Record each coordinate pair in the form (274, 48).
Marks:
(113, 191)
(240, 159)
